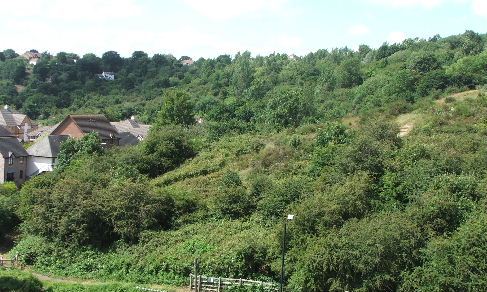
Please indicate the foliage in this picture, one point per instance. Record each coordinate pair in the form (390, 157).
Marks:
(17, 281)
(316, 137)
(165, 149)
(94, 203)
(176, 109)
(72, 149)
(453, 263)
(8, 204)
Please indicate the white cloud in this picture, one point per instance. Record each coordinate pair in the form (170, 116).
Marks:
(479, 7)
(358, 29)
(410, 3)
(224, 9)
(396, 37)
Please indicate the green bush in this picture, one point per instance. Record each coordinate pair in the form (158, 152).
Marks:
(453, 263)
(364, 255)
(165, 149)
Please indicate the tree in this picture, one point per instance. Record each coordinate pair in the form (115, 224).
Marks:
(90, 63)
(286, 107)
(13, 69)
(10, 54)
(176, 109)
(164, 149)
(454, 263)
(471, 43)
(348, 73)
(72, 149)
(242, 73)
(111, 61)
(423, 62)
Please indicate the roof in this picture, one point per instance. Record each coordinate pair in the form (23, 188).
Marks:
(42, 130)
(31, 54)
(5, 133)
(187, 62)
(93, 123)
(131, 131)
(10, 117)
(11, 145)
(48, 146)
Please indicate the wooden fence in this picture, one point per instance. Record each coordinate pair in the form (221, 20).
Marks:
(200, 283)
(9, 262)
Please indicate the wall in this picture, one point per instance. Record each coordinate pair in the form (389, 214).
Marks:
(36, 165)
(68, 127)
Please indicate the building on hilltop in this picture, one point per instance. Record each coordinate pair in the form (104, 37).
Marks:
(13, 164)
(43, 154)
(131, 131)
(31, 55)
(187, 62)
(106, 75)
(77, 126)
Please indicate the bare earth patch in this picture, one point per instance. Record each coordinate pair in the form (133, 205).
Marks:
(407, 122)
(20, 88)
(462, 95)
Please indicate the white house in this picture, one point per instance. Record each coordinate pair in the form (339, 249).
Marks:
(106, 75)
(43, 154)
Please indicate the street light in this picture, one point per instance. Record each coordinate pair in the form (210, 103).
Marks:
(289, 217)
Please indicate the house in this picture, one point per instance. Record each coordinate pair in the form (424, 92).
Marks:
(106, 75)
(187, 62)
(34, 61)
(13, 164)
(31, 54)
(43, 154)
(15, 122)
(293, 57)
(77, 126)
(131, 131)
(32, 135)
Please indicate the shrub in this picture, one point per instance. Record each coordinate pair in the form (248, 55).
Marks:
(456, 263)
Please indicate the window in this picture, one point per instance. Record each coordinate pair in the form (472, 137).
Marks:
(21, 174)
(10, 176)
(10, 160)
(21, 159)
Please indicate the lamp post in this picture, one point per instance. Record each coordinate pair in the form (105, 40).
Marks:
(289, 217)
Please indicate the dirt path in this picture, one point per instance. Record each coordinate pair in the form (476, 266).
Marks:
(91, 282)
(405, 129)
(47, 278)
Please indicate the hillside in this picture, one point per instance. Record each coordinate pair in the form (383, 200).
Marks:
(380, 154)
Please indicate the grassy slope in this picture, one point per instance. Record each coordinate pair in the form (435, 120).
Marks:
(166, 256)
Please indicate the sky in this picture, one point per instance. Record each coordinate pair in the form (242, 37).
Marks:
(209, 28)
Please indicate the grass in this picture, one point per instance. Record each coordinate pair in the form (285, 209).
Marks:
(12, 279)
(460, 96)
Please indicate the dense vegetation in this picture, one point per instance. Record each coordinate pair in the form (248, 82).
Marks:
(316, 137)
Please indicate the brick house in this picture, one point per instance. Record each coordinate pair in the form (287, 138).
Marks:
(15, 122)
(13, 164)
(77, 126)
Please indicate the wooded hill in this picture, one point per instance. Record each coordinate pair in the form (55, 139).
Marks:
(377, 208)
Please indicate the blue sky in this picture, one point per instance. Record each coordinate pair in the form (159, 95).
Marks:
(210, 28)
